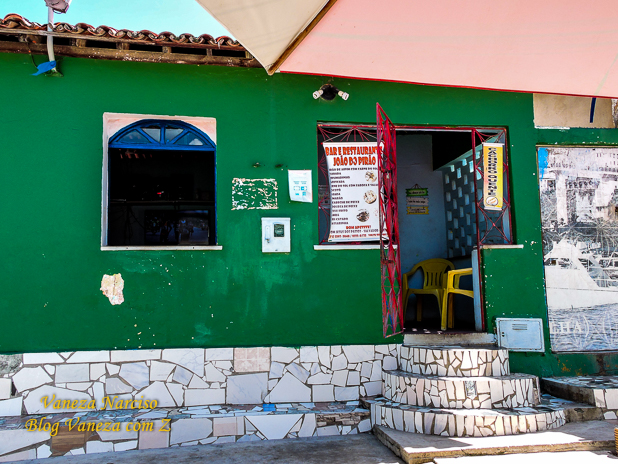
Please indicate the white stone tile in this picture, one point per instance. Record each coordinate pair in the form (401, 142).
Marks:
(213, 374)
(299, 372)
(115, 386)
(42, 358)
(225, 365)
(364, 425)
(219, 354)
(228, 426)
(30, 377)
(17, 439)
(89, 357)
(158, 391)
(366, 369)
(77, 451)
(274, 427)
(354, 378)
(319, 379)
(50, 369)
(186, 430)
(112, 369)
(340, 378)
(308, 426)
(359, 353)
(290, 389)
(72, 373)
(283, 355)
(5, 388)
(154, 439)
(123, 434)
(11, 407)
(198, 397)
(118, 356)
(125, 445)
(309, 354)
(182, 375)
(160, 370)
(136, 374)
(323, 393)
(373, 388)
(611, 398)
(327, 431)
(382, 349)
(196, 382)
(99, 447)
(79, 386)
(96, 371)
(177, 393)
(324, 355)
(247, 388)
(376, 371)
(339, 362)
(34, 405)
(43, 451)
(389, 363)
(346, 393)
(189, 358)
(276, 370)
(19, 456)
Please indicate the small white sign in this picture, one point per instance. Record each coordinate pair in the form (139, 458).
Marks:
(300, 186)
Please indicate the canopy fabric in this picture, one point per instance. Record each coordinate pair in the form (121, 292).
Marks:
(551, 46)
(264, 27)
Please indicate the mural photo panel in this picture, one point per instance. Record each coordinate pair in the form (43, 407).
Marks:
(579, 204)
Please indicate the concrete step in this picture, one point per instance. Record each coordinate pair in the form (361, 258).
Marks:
(448, 339)
(550, 414)
(599, 391)
(509, 391)
(455, 361)
(40, 436)
(580, 436)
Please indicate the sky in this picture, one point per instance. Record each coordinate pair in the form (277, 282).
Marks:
(177, 16)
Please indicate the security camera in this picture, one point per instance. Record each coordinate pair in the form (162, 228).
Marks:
(328, 92)
(59, 6)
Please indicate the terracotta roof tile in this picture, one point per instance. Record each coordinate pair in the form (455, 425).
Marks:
(16, 22)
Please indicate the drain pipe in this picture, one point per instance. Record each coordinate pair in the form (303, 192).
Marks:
(50, 38)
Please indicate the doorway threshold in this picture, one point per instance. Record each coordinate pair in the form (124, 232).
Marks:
(439, 338)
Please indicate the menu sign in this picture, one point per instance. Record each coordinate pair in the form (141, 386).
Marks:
(354, 193)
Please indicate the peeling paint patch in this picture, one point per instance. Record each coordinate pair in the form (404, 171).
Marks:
(254, 193)
(112, 287)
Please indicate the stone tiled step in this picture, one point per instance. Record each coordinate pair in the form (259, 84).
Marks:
(509, 391)
(599, 391)
(415, 448)
(551, 414)
(175, 427)
(455, 361)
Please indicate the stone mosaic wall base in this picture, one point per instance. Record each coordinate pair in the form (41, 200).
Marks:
(195, 376)
(464, 423)
(599, 391)
(455, 361)
(511, 391)
(178, 427)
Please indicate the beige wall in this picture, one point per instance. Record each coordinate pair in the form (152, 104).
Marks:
(565, 111)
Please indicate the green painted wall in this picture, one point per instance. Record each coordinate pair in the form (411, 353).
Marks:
(50, 185)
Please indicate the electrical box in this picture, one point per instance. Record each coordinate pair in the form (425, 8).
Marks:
(275, 235)
(520, 334)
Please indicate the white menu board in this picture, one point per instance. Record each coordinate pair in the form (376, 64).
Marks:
(354, 194)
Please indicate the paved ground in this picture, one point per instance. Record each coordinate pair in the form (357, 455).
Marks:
(356, 449)
(569, 457)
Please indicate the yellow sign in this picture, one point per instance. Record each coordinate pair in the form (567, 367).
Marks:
(493, 167)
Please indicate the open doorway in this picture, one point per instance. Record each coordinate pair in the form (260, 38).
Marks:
(441, 217)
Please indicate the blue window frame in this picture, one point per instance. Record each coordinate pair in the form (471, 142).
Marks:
(158, 193)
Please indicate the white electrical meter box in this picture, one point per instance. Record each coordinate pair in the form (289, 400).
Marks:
(275, 235)
(520, 334)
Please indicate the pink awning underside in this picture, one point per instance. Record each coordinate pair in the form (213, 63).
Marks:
(567, 46)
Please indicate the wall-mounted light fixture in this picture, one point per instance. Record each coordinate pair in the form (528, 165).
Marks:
(328, 92)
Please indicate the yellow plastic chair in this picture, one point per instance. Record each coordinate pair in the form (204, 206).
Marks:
(434, 273)
(451, 287)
